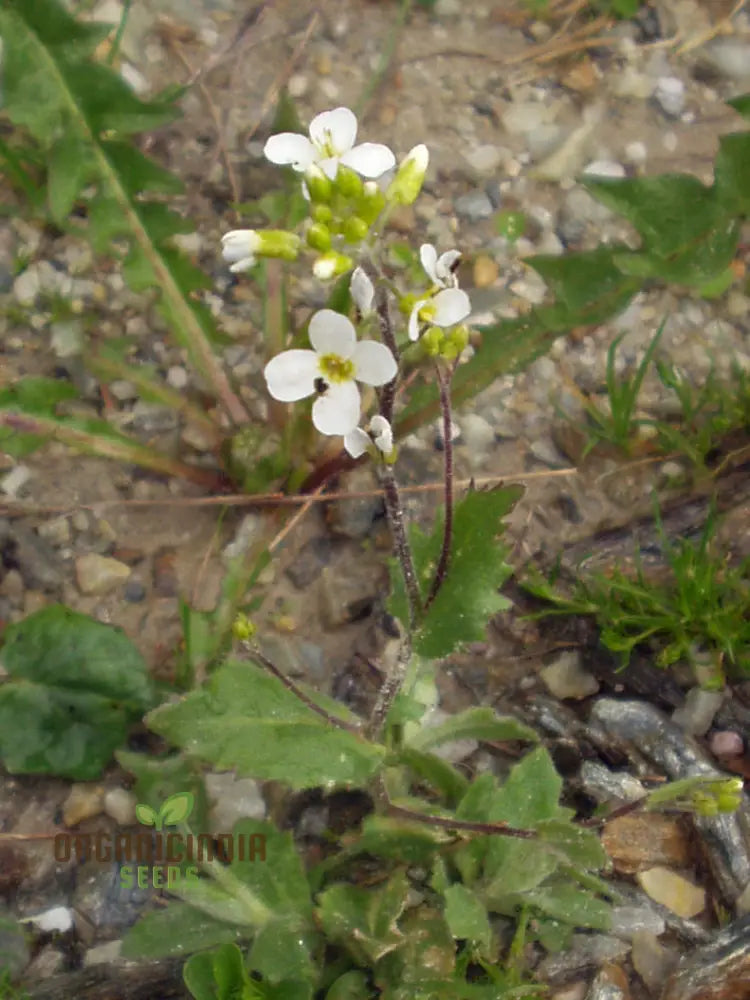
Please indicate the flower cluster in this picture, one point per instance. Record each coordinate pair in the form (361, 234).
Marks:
(347, 191)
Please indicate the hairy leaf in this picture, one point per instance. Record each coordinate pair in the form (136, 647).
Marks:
(248, 720)
(75, 687)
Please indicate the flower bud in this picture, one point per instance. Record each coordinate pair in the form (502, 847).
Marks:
(331, 265)
(355, 229)
(407, 183)
(319, 187)
(321, 214)
(372, 202)
(318, 237)
(277, 243)
(432, 341)
(348, 183)
(242, 627)
(362, 291)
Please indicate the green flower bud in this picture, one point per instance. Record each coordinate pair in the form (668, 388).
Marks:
(331, 265)
(242, 628)
(372, 202)
(318, 237)
(319, 187)
(726, 802)
(456, 341)
(355, 229)
(348, 183)
(321, 214)
(277, 243)
(432, 341)
(407, 183)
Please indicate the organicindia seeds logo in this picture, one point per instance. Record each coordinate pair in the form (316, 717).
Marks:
(158, 857)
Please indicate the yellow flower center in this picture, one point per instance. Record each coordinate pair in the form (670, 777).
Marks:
(335, 368)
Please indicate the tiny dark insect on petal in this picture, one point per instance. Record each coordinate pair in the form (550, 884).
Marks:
(321, 386)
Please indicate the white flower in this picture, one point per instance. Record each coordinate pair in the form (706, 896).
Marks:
(332, 136)
(332, 369)
(239, 248)
(377, 432)
(362, 291)
(440, 270)
(448, 307)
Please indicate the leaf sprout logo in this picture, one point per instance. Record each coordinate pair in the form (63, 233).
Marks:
(174, 810)
(158, 858)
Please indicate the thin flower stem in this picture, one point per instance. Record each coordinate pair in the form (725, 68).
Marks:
(444, 384)
(401, 545)
(289, 684)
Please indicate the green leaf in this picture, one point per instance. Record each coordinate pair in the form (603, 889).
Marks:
(364, 920)
(440, 774)
(176, 809)
(731, 174)
(76, 685)
(68, 166)
(473, 724)
(741, 104)
(145, 814)
(217, 975)
(177, 930)
(576, 845)
(397, 840)
(563, 900)
(579, 279)
(351, 986)
(466, 916)
(655, 205)
(247, 720)
(469, 595)
(37, 396)
(281, 950)
(427, 958)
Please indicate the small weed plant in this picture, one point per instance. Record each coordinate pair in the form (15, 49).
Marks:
(696, 612)
(446, 878)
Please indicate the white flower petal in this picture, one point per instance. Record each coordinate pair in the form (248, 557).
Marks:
(337, 411)
(332, 333)
(373, 363)
(414, 319)
(382, 434)
(445, 265)
(242, 265)
(330, 166)
(290, 148)
(334, 131)
(238, 244)
(451, 306)
(291, 375)
(362, 290)
(428, 256)
(356, 442)
(370, 159)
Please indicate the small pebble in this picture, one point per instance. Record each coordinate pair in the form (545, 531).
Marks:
(669, 94)
(83, 802)
(97, 574)
(673, 890)
(13, 483)
(565, 677)
(474, 206)
(58, 918)
(726, 743)
(134, 591)
(120, 805)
